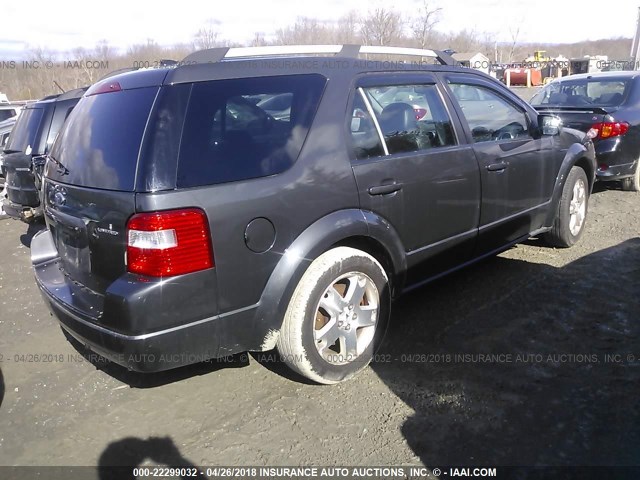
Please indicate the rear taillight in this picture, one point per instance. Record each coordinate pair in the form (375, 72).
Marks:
(608, 129)
(172, 242)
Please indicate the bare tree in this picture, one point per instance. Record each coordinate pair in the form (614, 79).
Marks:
(207, 36)
(304, 31)
(347, 29)
(258, 40)
(514, 33)
(422, 27)
(382, 27)
(463, 41)
(34, 77)
(82, 60)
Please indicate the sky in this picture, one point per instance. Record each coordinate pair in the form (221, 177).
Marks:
(66, 24)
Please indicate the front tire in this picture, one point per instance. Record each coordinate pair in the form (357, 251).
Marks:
(572, 211)
(336, 316)
(632, 184)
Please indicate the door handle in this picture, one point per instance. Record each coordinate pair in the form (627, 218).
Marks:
(497, 167)
(385, 189)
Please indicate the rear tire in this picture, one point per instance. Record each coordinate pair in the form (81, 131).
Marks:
(572, 211)
(336, 316)
(632, 184)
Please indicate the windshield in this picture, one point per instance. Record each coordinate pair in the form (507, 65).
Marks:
(25, 130)
(583, 93)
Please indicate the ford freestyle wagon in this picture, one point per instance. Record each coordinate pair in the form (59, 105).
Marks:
(186, 222)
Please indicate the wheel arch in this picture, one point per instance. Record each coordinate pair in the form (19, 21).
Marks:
(578, 155)
(354, 228)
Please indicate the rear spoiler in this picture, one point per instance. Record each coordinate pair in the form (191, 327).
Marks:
(561, 108)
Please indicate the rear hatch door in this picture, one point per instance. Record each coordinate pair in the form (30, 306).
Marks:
(90, 184)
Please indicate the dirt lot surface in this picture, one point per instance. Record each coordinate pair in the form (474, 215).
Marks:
(561, 386)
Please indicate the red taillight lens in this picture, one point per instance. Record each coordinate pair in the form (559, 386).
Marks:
(105, 87)
(610, 129)
(172, 242)
(420, 112)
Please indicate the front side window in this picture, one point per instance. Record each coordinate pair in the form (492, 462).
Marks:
(246, 128)
(490, 117)
(411, 118)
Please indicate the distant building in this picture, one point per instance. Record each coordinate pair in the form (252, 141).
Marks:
(477, 61)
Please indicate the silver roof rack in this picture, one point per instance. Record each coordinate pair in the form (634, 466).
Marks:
(214, 55)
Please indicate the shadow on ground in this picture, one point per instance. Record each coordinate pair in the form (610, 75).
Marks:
(517, 363)
(118, 459)
(32, 229)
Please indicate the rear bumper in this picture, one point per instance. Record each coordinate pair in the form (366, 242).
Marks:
(615, 172)
(152, 352)
(615, 159)
(21, 212)
(144, 351)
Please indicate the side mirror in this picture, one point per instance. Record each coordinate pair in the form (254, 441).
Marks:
(550, 124)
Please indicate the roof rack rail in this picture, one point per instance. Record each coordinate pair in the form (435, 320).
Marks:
(214, 55)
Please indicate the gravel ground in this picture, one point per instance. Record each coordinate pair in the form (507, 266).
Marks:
(531, 357)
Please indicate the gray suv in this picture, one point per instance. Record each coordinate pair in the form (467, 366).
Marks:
(185, 222)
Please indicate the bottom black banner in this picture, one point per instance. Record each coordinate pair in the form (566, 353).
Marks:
(304, 472)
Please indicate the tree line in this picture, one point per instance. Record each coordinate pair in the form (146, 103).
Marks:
(45, 72)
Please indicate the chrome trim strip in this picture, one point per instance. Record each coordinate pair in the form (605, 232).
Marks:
(372, 114)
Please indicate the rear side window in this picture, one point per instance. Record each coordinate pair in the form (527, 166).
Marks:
(412, 118)
(25, 130)
(100, 141)
(246, 128)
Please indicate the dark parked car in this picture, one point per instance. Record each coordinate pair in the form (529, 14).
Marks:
(607, 105)
(32, 136)
(185, 223)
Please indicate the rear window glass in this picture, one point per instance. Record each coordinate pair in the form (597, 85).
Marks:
(246, 128)
(583, 93)
(25, 130)
(100, 141)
